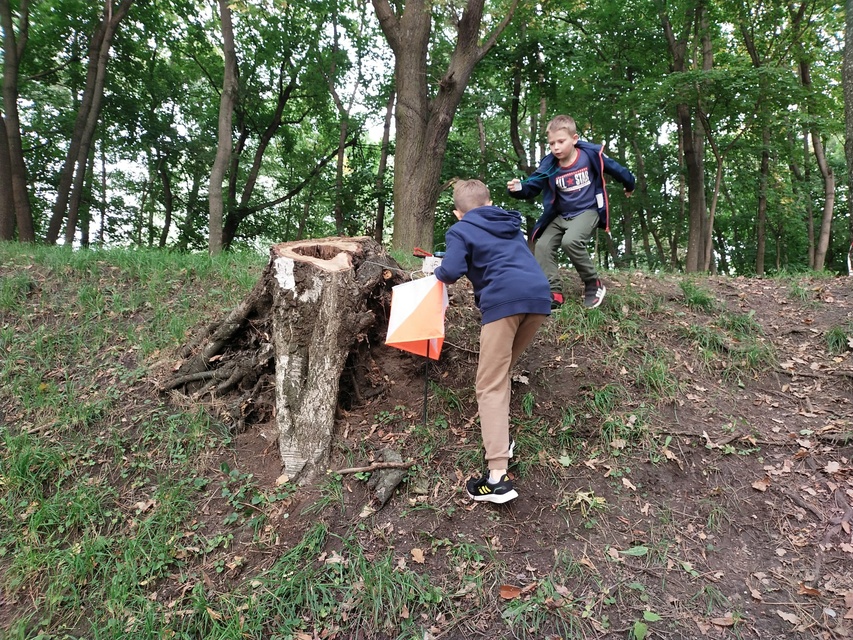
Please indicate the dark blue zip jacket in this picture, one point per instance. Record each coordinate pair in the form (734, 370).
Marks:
(487, 246)
(544, 178)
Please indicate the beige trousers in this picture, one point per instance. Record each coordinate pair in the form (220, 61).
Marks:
(501, 344)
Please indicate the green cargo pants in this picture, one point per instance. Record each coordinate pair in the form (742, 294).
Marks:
(573, 236)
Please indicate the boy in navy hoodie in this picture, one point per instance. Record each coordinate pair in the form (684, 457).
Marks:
(513, 295)
(571, 180)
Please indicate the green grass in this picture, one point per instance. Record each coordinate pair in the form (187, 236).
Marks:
(696, 298)
(839, 340)
(123, 515)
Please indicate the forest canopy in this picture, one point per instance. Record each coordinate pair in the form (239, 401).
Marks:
(214, 126)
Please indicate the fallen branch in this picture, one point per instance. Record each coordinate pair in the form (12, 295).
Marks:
(798, 500)
(375, 466)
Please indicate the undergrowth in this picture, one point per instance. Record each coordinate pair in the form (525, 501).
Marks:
(105, 487)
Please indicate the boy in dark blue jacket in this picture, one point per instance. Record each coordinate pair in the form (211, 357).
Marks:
(574, 197)
(513, 295)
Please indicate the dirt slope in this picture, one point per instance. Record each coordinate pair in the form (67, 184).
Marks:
(665, 463)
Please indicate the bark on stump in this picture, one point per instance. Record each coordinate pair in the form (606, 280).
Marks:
(316, 301)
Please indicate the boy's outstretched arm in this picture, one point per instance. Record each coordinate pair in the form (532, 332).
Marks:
(454, 265)
(623, 175)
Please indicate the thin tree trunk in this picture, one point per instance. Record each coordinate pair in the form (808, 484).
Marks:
(381, 195)
(7, 202)
(807, 174)
(761, 226)
(847, 83)
(103, 203)
(85, 209)
(225, 141)
(168, 202)
(87, 116)
(13, 50)
(689, 138)
(828, 202)
(645, 217)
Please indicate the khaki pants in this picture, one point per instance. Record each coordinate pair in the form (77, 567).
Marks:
(501, 344)
(573, 236)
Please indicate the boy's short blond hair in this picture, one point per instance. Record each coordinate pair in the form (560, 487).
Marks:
(562, 122)
(470, 194)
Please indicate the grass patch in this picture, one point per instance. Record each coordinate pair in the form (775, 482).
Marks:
(839, 340)
(696, 298)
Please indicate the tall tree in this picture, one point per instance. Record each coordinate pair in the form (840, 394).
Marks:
(225, 141)
(13, 172)
(847, 82)
(690, 132)
(424, 115)
(69, 192)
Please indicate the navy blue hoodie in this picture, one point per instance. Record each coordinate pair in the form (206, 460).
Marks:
(544, 178)
(487, 246)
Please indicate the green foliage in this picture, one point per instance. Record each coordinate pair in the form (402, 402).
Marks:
(839, 339)
(697, 298)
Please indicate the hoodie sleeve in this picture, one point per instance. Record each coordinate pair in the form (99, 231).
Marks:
(532, 186)
(620, 173)
(454, 265)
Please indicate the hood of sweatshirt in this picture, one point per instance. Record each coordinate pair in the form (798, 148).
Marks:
(496, 221)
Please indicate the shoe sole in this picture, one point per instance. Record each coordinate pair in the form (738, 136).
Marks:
(600, 299)
(495, 498)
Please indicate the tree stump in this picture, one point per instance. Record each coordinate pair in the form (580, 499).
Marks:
(316, 302)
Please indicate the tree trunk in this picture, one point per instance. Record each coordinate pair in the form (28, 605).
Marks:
(13, 49)
(7, 202)
(692, 143)
(381, 196)
(315, 302)
(826, 172)
(761, 226)
(423, 123)
(233, 217)
(847, 83)
(225, 142)
(168, 202)
(828, 202)
(87, 116)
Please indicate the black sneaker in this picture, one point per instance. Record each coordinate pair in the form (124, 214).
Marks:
(593, 293)
(483, 491)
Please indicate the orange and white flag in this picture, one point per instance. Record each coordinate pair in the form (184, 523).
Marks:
(416, 323)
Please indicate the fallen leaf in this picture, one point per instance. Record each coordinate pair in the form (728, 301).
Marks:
(629, 484)
(418, 555)
(755, 593)
(725, 621)
(808, 591)
(404, 612)
(788, 617)
(832, 467)
(613, 553)
(704, 628)
(762, 484)
(143, 505)
(509, 592)
(282, 479)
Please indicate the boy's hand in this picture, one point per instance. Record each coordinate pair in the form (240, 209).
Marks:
(514, 185)
(628, 193)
